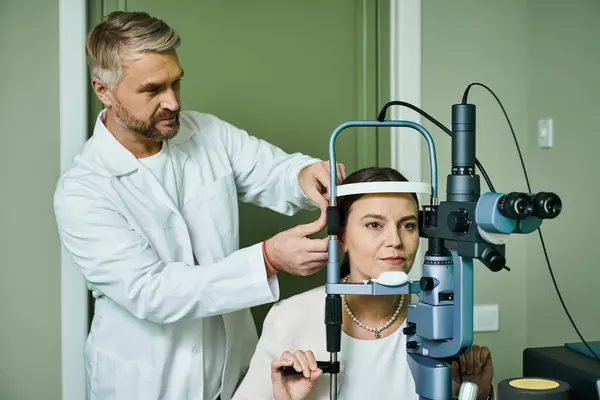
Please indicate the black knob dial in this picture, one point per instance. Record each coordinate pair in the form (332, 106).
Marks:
(458, 221)
(412, 345)
(410, 329)
(493, 259)
(427, 284)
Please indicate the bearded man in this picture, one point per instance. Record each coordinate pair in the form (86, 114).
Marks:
(149, 213)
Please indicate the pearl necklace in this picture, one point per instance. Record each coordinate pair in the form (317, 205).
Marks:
(377, 331)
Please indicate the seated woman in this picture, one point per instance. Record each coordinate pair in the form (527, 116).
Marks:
(379, 233)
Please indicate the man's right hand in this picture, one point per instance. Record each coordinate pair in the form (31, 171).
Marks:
(299, 386)
(293, 252)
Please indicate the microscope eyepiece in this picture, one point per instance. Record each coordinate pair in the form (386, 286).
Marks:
(546, 205)
(516, 205)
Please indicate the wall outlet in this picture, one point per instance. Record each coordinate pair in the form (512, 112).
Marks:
(545, 133)
(486, 318)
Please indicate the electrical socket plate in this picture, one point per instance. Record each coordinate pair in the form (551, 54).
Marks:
(486, 318)
(545, 133)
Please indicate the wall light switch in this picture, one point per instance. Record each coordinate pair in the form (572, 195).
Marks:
(486, 318)
(545, 133)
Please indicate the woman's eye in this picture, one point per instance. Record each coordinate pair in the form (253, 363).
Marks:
(373, 225)
(408, 226)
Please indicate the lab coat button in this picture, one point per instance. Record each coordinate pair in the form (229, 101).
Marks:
(196, 350)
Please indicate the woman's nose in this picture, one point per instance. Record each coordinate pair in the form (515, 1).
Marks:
(394, 238)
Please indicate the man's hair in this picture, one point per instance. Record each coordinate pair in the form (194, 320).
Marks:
(122, 36)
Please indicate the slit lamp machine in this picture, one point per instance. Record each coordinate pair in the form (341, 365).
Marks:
(466, 226)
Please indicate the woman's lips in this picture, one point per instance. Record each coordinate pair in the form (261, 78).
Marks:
(393, 260)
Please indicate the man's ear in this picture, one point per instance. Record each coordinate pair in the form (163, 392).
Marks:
(102, 92)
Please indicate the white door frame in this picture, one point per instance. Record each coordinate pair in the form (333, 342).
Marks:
(405, 82)
(73, 83)
(406, 147)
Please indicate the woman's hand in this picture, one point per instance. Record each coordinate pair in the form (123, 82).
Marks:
(476, 367)
(295, 387)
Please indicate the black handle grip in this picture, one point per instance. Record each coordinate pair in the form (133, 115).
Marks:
(326, 366)
(333, 322)
(333, 221)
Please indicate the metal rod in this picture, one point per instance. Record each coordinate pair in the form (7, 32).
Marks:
(400, 124)
(333, 382)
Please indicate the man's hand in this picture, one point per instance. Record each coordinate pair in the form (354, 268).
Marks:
(475, 366)
(299, 386)
(314, 182)
(293, 252)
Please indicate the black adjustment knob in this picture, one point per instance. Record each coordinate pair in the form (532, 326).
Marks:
(412, 345)
(427, 284)
(493, 260)
(410, 329)
(458, 221)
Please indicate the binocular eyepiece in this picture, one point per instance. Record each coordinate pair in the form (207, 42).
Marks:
(546, 205)
(517, 205)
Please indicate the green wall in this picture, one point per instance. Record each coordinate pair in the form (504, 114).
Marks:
(541, 58)
(29, 167)
(564, 84)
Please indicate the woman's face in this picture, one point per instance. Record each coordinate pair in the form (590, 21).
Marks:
(381, 234)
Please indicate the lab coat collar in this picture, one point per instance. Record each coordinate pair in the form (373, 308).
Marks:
(106, 154)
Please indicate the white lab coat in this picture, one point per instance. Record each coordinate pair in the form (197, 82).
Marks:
(135, 247)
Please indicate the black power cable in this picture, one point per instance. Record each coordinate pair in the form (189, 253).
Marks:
(464, 101)
(381, 118)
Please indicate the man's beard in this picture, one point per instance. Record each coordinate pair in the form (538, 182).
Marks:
(149, 129)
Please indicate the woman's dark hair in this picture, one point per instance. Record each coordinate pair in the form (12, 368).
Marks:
(371, 174)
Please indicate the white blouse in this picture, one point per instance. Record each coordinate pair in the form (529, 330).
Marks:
(377, 369)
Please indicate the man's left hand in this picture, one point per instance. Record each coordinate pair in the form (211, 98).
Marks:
(314, 182)
(475, 366)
